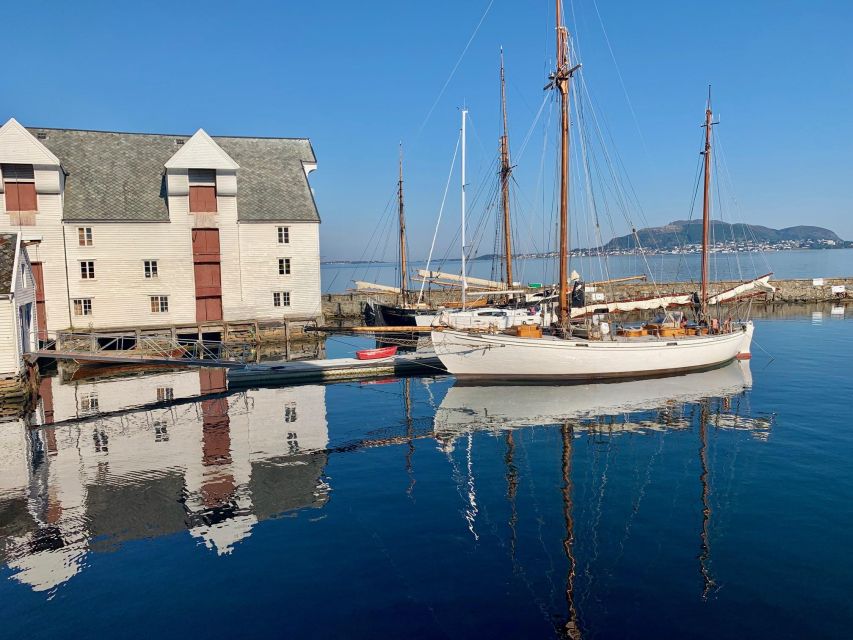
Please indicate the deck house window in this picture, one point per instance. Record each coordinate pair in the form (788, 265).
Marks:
(82, 306)
(87, 269)
(284, 266)
(159, 304)
(284, 235)
(20, 186)
(84, 236)
(151, 269)
(281, 299)
(202, 190)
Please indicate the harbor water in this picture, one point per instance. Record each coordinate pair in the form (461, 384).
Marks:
(714, 505)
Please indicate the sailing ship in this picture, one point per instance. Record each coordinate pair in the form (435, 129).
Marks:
(402, 314)
(667, 345)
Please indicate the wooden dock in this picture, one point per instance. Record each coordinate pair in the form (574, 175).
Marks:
(333, 370)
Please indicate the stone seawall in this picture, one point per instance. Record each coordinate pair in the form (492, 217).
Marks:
(341, 306)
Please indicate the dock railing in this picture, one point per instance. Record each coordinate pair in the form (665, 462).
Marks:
(144, 346)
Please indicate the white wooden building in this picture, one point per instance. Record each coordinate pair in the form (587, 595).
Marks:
(134, 230)
(17, 308)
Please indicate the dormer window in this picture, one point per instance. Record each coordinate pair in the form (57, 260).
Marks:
(20, 186)
(202, 190)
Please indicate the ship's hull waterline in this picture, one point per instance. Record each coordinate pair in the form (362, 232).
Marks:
(502, 357)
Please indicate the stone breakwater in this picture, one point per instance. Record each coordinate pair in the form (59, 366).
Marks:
(348, 306)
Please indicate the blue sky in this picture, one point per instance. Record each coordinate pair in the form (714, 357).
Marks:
(357, 77)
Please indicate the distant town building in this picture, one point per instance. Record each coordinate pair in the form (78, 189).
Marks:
(131, 230)
(17, 311)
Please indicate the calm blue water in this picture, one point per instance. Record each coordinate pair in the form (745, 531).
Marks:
(664, 268)
(416, 508)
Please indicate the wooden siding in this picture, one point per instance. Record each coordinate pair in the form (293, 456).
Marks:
(121, 294)
(9, 358)
(250, 253)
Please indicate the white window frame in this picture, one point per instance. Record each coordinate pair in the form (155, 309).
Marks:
(281, 299)
(283, 235)
(162, 303)
(81, 304)
(87, 273)
(85, 236)
(285, 266)
(150, 269)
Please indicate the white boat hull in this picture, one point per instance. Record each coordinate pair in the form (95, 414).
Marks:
(503, 357)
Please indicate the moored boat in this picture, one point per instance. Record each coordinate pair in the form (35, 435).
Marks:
(602, 353)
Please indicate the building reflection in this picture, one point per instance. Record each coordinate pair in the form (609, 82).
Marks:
(86, 473)
(191, 458)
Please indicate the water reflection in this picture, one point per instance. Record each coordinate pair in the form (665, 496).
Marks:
(602, 407)
(214, 467)
(105, 462)
(606, 411)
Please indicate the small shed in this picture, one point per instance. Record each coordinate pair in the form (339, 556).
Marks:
(17, 313)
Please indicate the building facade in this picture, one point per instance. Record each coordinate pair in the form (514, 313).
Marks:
(18, 319)
(130, 231)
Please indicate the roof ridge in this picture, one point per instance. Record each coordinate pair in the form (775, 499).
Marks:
(164, 135)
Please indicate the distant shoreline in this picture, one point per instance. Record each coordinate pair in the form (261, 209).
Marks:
(586, 253)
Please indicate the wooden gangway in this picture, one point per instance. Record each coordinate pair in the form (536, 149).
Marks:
(132, 348)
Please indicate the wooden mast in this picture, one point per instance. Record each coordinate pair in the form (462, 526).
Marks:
(706, 208)
(560, 80)
(404, 273)
(506, 171)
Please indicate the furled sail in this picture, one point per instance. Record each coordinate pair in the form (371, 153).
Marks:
(451, 279)
(361, 285)
(760, 284)
(673, 300)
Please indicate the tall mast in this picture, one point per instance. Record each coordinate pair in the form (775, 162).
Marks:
(464, 281)
(560, 80)
(506, 171)
(404, 273)
(706, 207)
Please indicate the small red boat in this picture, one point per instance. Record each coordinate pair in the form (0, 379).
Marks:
(376, 354)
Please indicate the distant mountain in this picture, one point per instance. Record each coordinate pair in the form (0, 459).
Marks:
(683, 232)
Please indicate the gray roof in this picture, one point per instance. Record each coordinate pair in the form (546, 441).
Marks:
(118, 177)
(8, 243)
